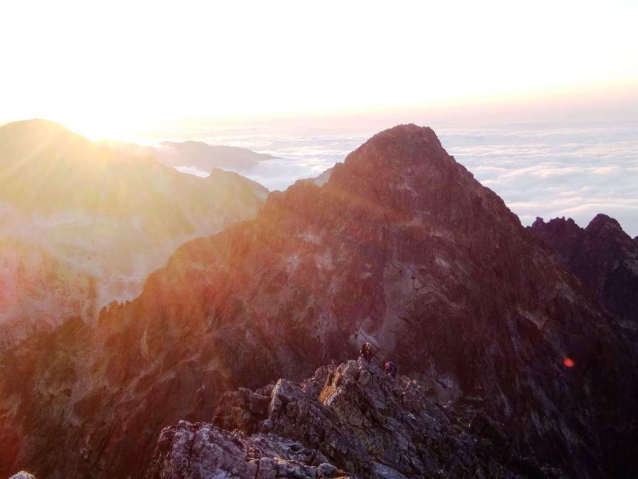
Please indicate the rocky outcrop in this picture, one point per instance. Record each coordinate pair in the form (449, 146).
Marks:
(84, 225)
(22, 475)
(402, 247)
(603, 257)
(202, 450)
(345, 421)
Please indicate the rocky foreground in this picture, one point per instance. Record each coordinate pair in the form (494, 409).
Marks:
(345, 421)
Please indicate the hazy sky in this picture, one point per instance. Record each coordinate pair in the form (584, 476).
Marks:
(111, 68)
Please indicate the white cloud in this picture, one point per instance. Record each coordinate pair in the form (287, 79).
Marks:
(575, 172)
(550, 171)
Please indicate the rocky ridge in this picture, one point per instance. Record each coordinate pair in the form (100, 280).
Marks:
(402, 247)
(603, 257)
(345, 421)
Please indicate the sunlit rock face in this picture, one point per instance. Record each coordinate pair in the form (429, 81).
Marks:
(83, 225)
(603, 257)
(346, 421)
(402, 247)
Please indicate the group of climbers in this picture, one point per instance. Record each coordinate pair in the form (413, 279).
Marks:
(367, 353)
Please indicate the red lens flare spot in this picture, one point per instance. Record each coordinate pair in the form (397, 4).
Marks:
(568, 362)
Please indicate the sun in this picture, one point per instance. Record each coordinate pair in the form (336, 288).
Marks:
(105, 127)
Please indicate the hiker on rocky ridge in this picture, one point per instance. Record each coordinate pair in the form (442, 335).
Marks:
(391, 369)
(366, 351)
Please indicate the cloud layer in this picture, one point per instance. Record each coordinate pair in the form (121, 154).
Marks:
(574, 171)
(571, 172)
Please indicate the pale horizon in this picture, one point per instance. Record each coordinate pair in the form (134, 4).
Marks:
(125, 70)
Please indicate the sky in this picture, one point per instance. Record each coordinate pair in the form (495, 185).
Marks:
(118, 69)
(538, 99)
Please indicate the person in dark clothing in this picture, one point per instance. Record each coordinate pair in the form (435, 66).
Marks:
(391, 369)
(366, 351)
(200, 395)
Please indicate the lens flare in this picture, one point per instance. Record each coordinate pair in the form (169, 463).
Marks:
(568, 362)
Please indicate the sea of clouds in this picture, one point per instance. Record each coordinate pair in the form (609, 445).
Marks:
(549, 171)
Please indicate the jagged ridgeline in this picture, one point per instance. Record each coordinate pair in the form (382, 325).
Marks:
(347, 421)
(603, 257)
(401, 247)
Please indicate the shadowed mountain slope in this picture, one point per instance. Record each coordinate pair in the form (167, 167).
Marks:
(402, 247)
(603, 257)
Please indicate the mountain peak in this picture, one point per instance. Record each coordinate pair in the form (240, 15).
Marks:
(538, 222)
(26, 138)
(401, 143)
(560, 225)
(33, 126)
(405, 158)
(405, 130)
(601, 221)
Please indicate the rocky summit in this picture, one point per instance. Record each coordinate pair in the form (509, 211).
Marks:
(350, 421)
(603, 257)
(401, 248)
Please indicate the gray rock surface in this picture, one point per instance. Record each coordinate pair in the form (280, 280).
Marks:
(22, 475)
(345, 421)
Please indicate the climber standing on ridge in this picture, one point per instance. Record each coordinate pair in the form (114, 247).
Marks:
(391, 369)
(200, 396)
(366, 352)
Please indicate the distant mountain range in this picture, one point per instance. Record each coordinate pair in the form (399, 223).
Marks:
(196, 155)
(84, 224)
(402, 248)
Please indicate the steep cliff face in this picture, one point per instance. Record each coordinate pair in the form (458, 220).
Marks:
(402, 247)
(345, 421)
(603, 257)
(84, 225)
